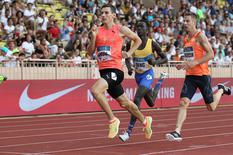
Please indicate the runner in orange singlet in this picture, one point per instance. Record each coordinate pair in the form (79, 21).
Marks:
(106, 42)
(197, 53)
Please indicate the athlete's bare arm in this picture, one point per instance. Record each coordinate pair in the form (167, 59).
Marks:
(128, 60)
(125, 31)
(206, 45)
(156, 48)
(91, 46)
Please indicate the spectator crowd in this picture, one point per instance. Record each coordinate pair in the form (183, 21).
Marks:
(28, 30)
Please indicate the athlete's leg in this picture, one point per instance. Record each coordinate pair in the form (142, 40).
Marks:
(182, 114)
(222, 89)
(188, 90)
(212, 101)
(97, 91)
(140, 93)
(133, 109)
(152, 94)
(130, 106)
(144, 82)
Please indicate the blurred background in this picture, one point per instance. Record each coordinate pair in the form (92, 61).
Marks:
(47, 39)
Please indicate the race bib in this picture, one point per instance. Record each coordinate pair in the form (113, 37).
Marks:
(140, 64)
(104, 53)
(188, 53)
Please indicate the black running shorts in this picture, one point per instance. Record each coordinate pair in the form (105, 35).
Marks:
(191, 83)
(114, 77)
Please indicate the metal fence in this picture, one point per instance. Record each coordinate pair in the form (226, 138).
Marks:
(52, 69)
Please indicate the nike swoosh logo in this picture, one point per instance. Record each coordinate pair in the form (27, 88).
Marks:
(197, 96)
(28, 104)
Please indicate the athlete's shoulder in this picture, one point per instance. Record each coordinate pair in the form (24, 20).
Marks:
(116, 26)
(125, 31)
(150, 39)
(202, 37)
(153, 42)
(122, 27)
(101, 28)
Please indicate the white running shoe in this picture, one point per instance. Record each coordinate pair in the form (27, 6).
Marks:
(173, 136)
(163, 75)
(124, 137)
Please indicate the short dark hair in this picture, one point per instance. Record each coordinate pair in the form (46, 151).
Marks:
(113, 9)
(193, 15)
(143, 22)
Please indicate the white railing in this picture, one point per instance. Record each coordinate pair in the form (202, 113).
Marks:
(67, 69)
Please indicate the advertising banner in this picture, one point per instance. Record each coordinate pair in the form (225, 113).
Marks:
(33, 97)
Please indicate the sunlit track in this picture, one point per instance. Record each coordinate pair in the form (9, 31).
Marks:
(134, 143)
(99, 137)
(86, 134)
(142, 142)
(157, 116)
(104, 124)
(188, 149)
(162, 112)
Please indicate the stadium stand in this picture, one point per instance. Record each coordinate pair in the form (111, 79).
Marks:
(57, 30)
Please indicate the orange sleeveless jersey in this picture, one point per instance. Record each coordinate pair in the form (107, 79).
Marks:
(194, 51)
(109, 48)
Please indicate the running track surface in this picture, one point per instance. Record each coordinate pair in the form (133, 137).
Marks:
(204, 133)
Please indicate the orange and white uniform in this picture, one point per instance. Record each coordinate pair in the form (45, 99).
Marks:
(109, 48)
(194, 51)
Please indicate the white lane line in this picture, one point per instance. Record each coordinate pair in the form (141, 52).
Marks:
(104, 137)
(94, 124)
(123, 144)
(89, 131)
(21, 153)
(188, 149)
(164, 111)
(93, 133)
